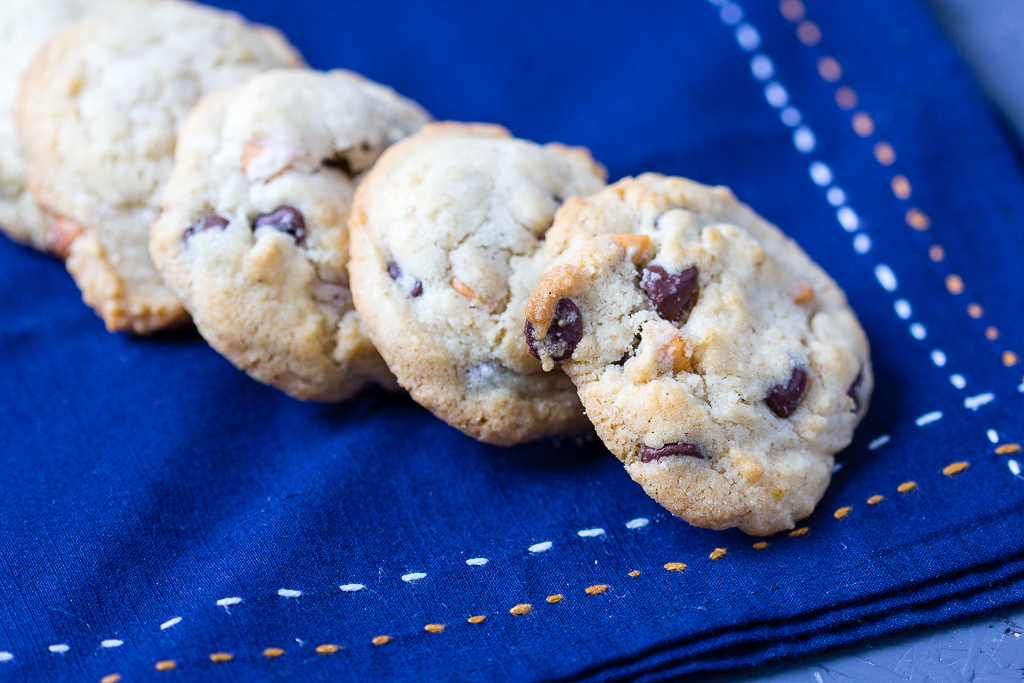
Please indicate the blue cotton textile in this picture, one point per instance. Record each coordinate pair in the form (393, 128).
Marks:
(159, 505)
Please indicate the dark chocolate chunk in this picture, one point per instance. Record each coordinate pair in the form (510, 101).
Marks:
(690, 450)
(395, 272)
(672, 294)
(286, 219)
(562, 335)
(785, 398)
(205, 224)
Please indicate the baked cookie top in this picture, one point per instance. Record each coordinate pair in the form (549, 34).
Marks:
(99, 114)
(253, 237)
(447, 233)
(25, 26)
(717, 361)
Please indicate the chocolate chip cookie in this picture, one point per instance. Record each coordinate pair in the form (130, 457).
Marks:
(717, 361)
(253, 238)
(447, 234)
(98, 116)
(25, 26)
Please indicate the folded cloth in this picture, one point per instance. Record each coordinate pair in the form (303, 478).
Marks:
(160, 509)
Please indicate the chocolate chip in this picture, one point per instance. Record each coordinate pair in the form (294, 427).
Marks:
(286, 219)
(648, 454)
(854, 390)
(672, 294)
(562, 335)
(785, 398)
(205, 224)
(395, 272)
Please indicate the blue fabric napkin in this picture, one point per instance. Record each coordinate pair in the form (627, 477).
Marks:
(157, 506)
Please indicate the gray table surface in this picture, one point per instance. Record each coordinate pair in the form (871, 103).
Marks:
(987, 648)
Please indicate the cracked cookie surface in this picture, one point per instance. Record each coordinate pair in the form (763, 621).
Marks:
(717, 361)
(98, 118)
(254, 237)
(447, 235)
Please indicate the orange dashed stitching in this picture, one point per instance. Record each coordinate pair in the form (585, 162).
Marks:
(760, 545)
(675, 566)
(808, 33)
(829, 69)
(884, 153)
(901, 187)
(381, 640)
(635, 573)
(846, 97)
(797, 533)
(165, 665)
(434, 628)
(955, 468)
(917, 219)
(1010, 359)
(907, 486)
(792, 10)
(478, 619)
(842, 513)
(273, 652)
(1008, 448)
(221, 657)
(522, 609)
(875, 500)
(954, 284)
(975, 310)
(596, 589)
(111, 678)
(863, 124)
(327, 649)
(554, 599)
(718, 553)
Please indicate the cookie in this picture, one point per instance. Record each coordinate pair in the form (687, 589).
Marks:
(253, 238)
(25, 26)
(447, 233)
(720, 364)
(98, 116)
